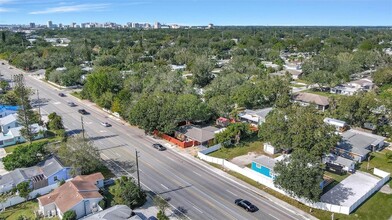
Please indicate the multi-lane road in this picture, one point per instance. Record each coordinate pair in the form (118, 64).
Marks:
(190, 184)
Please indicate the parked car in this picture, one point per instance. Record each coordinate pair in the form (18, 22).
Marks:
(71, 104)
(82, 111)
(246, 205)
(61, 94)
(105, 124)
(159, 147)
(10, 67)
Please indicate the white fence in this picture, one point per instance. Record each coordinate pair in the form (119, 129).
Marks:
(17, 199)
(269, 182)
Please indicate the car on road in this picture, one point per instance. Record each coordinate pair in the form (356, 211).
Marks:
(159, 147)
(10, 67)
(71, 104)
(105, 124)
(61, 94)
(246, 205)
(83, 112)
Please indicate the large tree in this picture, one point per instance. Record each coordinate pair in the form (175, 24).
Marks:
(80, 154)
(25, 156)
(126, 192)
(302, 129)
(26, 116)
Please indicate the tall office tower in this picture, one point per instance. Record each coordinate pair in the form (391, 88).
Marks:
(50, 24)
(32, 25)
(157, 25)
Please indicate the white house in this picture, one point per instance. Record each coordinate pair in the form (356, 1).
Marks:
(353, 87)
(255, 117)
(8, 122)
(13, 135)
(81, 195)
(340, 126)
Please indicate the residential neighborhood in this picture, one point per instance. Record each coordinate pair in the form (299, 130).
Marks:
(218, 120)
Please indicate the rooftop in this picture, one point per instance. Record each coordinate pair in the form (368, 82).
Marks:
(72, 192)
(8, 119)
(351, 189)
(265, 161)
(199, 134)
(255, 115)
(311, 98)
(117, 212)
(357, 141)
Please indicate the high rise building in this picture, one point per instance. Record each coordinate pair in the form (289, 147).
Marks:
(50, 24)
(157, 25)
(32, 25)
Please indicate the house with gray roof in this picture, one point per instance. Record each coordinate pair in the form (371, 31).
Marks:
(264, 165)
(254, 117)
(356, 145)
(117, 212)
(7, 122)
(13, 136)
(203, 135)
(48, 172)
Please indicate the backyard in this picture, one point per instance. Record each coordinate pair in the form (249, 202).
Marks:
(246, 146)
(25, 210)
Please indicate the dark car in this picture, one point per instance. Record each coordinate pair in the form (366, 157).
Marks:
(71, 104)
(82, 111)
(159, 147)
(246, 205)
(61, 94)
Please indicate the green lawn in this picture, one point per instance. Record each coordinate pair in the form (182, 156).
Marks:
(377, 160)
(10, 149)
(26, 209)
(297, 85)
(77, 95)
(248, 145)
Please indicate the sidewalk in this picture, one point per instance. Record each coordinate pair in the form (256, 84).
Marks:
(186, 153)
(148, 210)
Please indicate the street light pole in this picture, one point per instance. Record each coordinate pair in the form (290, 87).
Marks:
(137, 169)
(81, 119)
(39, 105)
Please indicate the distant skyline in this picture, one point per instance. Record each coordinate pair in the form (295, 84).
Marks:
(201, 12)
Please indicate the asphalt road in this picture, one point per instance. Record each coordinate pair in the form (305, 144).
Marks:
(195, 191)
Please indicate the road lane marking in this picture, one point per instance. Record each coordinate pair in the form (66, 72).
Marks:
(197, 173)
(171, 159)
(164, 186)
(231, 192)
(272, 216)
(56, 103)
(195, 207)
(102, 131)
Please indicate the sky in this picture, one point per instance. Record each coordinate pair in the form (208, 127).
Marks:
(201, 12)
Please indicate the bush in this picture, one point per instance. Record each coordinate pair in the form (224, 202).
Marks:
(69, 215)
(25, 156)
(102, 203)
(161, 216)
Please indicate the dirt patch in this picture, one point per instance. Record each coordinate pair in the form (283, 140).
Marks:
(244, 160)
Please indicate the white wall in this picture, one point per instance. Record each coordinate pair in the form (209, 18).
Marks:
(269, 183)
(17, 199)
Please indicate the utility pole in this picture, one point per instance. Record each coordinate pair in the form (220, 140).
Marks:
(81, 118)
(137, 168)
(39, 105)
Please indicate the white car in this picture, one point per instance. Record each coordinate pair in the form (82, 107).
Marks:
(105, 124)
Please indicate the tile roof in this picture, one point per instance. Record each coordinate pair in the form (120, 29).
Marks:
(72, 192)
(311, 98)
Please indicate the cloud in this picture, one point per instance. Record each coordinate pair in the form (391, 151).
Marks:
(3, 10)
(71, 8)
